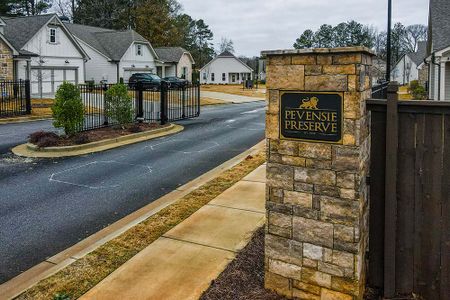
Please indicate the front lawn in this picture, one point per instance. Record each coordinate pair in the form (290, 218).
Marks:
(236, 90)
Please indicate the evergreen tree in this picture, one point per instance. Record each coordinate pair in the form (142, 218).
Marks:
(306, 40)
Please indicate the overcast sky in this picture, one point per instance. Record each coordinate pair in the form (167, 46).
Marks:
(256, 25)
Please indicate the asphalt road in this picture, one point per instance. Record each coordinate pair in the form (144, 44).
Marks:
(48, 205)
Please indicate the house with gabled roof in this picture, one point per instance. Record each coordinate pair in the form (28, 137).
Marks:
(225, 69)
(438, 52)
(407, 67)
(114, 55)
(177, 62)
(40, 49)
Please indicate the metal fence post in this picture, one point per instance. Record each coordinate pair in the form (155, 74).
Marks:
(105, 117)
(184, 102)
(140, 102)
(164, 89)
(27, 96)
(198, 100)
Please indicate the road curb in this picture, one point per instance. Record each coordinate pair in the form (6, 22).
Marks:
(30, 150)
(29, 278)
(24, 120)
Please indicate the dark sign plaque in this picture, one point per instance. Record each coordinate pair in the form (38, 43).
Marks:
(311, 116)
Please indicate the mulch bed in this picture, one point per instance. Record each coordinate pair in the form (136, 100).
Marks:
(244, 276)
(51, 139)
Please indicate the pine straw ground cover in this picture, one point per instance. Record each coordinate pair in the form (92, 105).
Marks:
(77, 278)
(243, 279)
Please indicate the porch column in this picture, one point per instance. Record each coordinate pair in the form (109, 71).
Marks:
(317, 137)
(442, 80)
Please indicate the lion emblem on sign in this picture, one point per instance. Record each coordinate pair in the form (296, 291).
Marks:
(309, 103)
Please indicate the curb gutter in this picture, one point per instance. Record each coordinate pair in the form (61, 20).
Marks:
(30, 150)
(29, 278)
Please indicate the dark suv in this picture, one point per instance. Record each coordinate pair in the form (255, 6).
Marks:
(149, 81)
(176, 82)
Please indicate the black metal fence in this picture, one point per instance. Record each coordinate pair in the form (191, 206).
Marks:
(380, 91)
(162, 105)
(15, 98)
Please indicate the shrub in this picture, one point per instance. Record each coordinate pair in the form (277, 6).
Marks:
(118, 104)
(68, 110)
(417, 91)
(44, 139)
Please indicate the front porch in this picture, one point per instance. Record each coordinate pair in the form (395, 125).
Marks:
(238, 78)
(439, 75)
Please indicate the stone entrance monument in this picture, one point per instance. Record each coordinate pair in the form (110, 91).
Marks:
(317, 132)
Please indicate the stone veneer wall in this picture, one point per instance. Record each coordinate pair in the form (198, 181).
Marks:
(6, 62)
(423, 76)
(317, 198)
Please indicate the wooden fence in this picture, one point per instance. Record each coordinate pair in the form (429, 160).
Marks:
(409, 237)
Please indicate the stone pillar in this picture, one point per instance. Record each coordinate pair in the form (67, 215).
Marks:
(317, 199)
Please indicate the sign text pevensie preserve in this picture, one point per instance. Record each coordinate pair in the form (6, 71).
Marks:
(311, 116)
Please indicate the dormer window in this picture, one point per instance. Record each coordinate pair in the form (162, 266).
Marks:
(52, 35)
(139, 50)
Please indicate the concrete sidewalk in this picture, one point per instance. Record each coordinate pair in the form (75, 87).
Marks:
(229, 97)
(183, 262)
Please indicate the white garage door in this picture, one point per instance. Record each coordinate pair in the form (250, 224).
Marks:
(45, 82)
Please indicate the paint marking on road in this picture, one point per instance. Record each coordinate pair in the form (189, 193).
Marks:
(230, 121)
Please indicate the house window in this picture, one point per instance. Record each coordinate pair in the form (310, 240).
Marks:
(184, 73)
(237, 76)
(52, 35)
(212, 76)
(204, 76)
(223, 76)
(139, 50)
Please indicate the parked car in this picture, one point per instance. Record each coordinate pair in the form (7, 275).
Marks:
(148, 80)
(176, 82)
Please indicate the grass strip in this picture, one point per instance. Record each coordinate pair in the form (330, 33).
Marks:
(82, 275)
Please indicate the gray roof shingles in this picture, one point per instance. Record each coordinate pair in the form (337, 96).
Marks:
(110, 43)
(170, 54)
(440, 24)
(18, 31)
(420, 55)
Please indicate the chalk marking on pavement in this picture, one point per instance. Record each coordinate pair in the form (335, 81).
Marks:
(52, 177)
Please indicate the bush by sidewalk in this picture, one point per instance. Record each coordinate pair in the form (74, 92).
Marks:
(68, 110)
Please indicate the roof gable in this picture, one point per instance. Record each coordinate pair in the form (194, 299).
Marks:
(171, 54)
(111, 43)
(227, 55)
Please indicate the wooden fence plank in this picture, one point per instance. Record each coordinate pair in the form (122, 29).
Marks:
(405, 205)
(376, 216)
(391, 191)
(445, 239)
(432, 178)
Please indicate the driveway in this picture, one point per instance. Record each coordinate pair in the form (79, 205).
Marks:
(48, 205)
(229, 97)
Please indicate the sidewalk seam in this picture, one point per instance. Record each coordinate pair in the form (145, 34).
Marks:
(196, 243)
(235, 208)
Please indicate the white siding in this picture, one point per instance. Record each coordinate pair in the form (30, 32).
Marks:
(99, 67)
(170, 71)
(405, 71)
(447, 81)
(185, 62)
(132, 63)
(220, 66)
(432, 81)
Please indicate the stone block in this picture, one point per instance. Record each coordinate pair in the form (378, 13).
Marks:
(339, 211)
(300, 294)
(324, 59)
(286, 77)
(279, 208)
(313, 70)
(273, 102)
(333, 295)
(272, 126)
(318, 164)
(330, 269)
(345, 285)
(285, 269)
(315, 277)
(344, 233)
(310, 263)
(347, 194)
(280, 220)
(312, 251)
(277, 247)
(348, 58)
(303, 60)
(336, 83)
(352, 108)
(314, 289)
(293, 161)
(343, 259)
(279, 60)
(339, 69)
(277, 283)
(303, 187)
(323, 177)
(346, 158)
(314, 150)
(312, 231)
(298, 198)
(288, 148)
(280, 176)
(326, 190)
(306, 212)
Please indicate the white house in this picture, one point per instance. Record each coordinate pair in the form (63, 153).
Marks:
(406, 69)
(438, 60)
(225, 69)
(177, 62)
(43, 51)
(114, 55)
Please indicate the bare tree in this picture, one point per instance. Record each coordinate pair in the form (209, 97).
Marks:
(226, 45)
(65, 8)
(415, 34)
